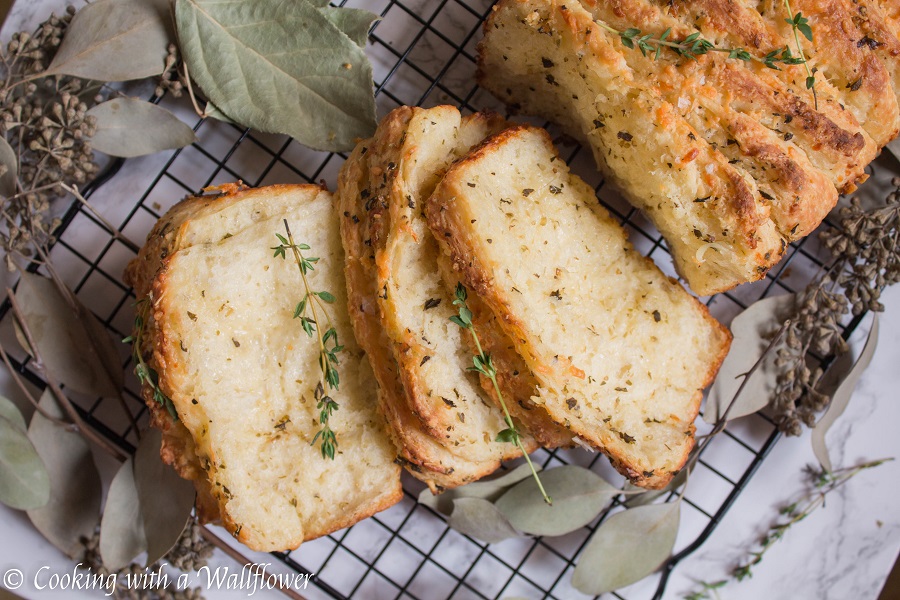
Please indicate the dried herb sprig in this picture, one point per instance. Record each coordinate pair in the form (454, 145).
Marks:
(146, 374)
(307, 310)
(44, 119)
(693, 46)
(485, 365)
(865, 249)
(820, 484)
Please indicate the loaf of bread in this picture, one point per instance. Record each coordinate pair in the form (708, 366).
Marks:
(242, 373)
(729, 159)
(621, 353)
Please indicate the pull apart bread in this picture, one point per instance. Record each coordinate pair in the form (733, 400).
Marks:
(621, 353)
(441, 417)
(730, 159)
(241, 372)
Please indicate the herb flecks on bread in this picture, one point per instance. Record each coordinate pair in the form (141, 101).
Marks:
(243, 375)
(621, 353)
(729, 159)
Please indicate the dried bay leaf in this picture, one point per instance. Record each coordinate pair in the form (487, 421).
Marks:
(74, 345)
(130, 127)
(480, 519)
(488, 488)
(166, 499)
(214, 112)
(11, 413)
(279, 67)
(353, 22)
(24, 481)
(841, 397)
(115, 40)
(122, 527)
(627, 547)
(9, 160)
(578, 496)
(75, 489)
(752, 331)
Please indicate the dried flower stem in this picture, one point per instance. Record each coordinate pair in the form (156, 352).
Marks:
(113, 231)
(25, 391)
(485, 365)
(61, 398)
(314, 302)
(823, 483)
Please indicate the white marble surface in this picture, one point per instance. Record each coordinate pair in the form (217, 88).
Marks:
(844, 550)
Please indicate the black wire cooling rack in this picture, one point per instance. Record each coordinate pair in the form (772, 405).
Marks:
(423, 53)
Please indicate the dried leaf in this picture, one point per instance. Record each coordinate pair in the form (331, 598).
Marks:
(122, 527)
(578, 497)
(627, 547)
(279, 67)
(480, 519)
(24, 481)
(74, 345)
(166, 499)
(11, 413)
(75, 489)
(9, 160)
(355, 23)
(650, 495)
(130, 127)
(752, 331)
(488, 488)
(213, 112)
(115, 40)
(841, 397)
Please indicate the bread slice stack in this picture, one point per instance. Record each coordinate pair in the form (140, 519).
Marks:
(242, 373)
(442, 418)
(730, 160)
(620, 353)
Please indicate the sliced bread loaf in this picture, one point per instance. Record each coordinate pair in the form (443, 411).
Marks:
(242, 373)
(621, 352)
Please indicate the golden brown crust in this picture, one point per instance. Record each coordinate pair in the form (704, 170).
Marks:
(451, 221)
(775, 157)
(422, 455)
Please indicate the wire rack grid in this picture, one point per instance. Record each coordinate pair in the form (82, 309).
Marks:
(423, 53)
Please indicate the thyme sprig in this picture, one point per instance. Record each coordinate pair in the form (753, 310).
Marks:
(800, 25)
(821, 483)
(485, 365)
(695, 45)
(146, 374)
(307, 310)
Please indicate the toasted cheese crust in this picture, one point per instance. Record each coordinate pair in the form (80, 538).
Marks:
(730, 160)
(621, 352)
(241, 372)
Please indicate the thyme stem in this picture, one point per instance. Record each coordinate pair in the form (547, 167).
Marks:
(313, 301)
(800, 24)
(485, 366)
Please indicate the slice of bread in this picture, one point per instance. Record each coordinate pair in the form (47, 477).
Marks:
(414, 148)
(242, 373)
(424, 456)
(620, 351)
(729, 160)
